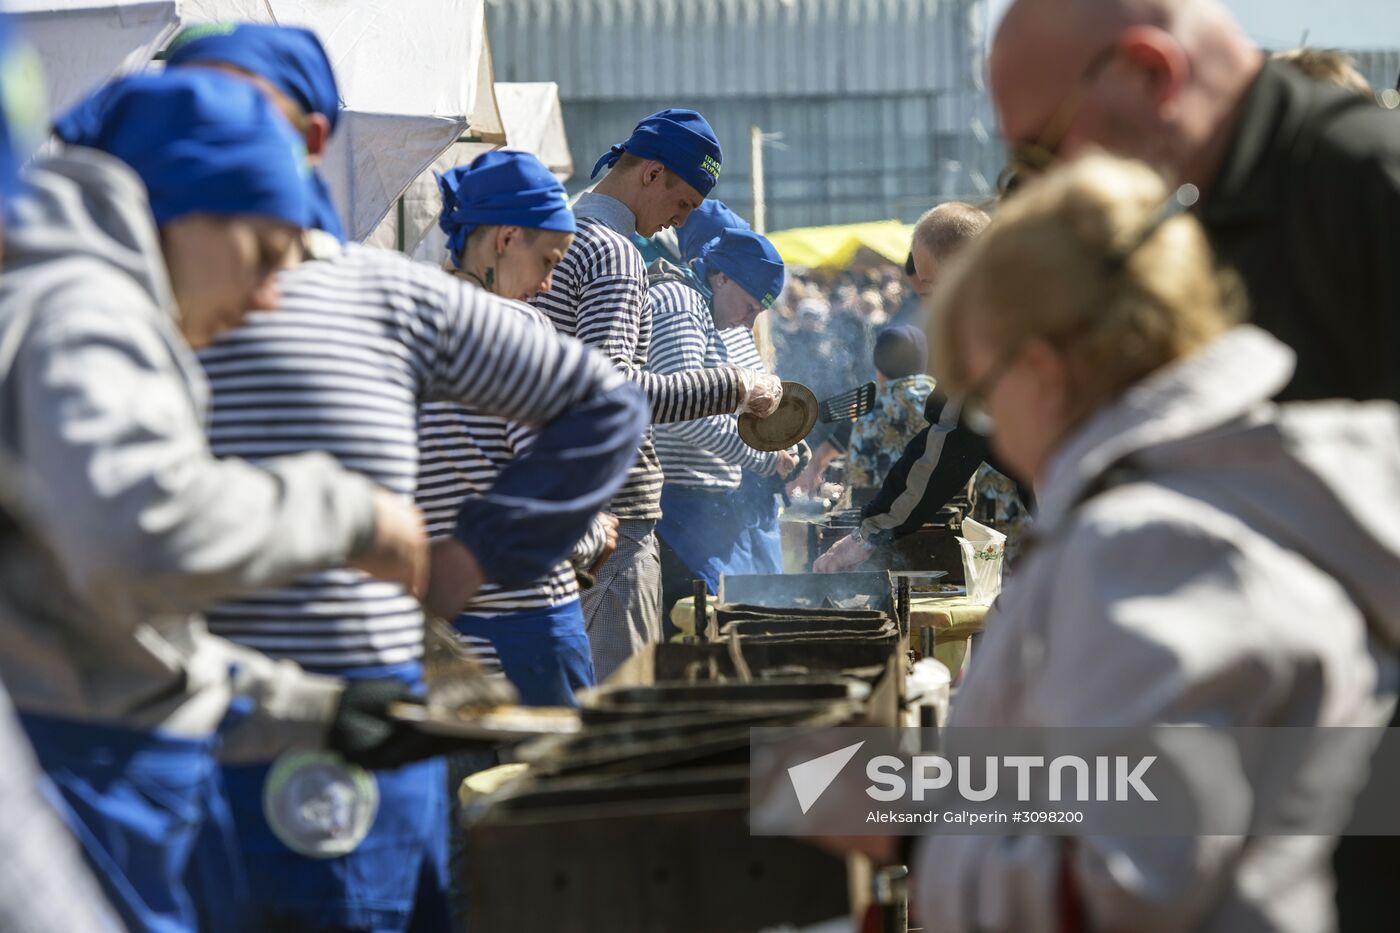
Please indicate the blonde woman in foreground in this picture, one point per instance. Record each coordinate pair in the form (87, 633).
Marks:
(1201, 556)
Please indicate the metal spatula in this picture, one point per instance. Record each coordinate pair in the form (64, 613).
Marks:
(848, 406)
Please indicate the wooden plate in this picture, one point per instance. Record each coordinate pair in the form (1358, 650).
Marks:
(794, 419)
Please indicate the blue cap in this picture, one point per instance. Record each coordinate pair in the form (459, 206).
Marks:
(901, 350)
(705, 223)
(203, 142)
(681, 140)
(505, 188)
(292, 60)
(747, 258)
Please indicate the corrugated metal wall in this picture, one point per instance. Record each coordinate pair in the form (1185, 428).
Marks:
(1381, 67)
(879, 102)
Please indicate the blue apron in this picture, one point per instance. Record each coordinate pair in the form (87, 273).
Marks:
(543, 652)
(763, 540)
(137, 803)
(395, 880)
(708, 530)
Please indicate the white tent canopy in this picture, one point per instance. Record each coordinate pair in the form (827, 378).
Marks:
(534, 122)
(82, 43)
(414, 78)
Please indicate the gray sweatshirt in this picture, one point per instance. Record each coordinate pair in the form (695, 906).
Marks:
(125, 525)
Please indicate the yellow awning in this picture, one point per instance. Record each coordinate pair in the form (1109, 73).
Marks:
(836, 247)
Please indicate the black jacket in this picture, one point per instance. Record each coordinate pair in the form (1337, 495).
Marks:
(1306, 208)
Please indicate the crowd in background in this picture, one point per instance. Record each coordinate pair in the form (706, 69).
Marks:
(824, 326)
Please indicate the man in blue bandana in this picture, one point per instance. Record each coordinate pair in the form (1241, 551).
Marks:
(655, 179)
(734, 279)
(288, 64)
(759, 499)
(160, 225)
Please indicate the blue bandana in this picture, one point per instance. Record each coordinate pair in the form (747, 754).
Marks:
(502, 188)
(292, 60)
(202, 142)
(705, 223)
(748, 259)
(289, 57)
(681, 140)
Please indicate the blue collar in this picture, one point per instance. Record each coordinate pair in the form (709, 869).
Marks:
(608, 211)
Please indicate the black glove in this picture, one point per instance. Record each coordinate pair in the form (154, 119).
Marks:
(363, 733)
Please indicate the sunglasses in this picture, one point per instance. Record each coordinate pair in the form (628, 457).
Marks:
(1026, 160)
(974, 413)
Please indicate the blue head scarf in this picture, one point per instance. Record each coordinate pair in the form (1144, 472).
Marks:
(202, 142)
(705, 223)
(681, 140)
(747, 258)
(501, 188)
(292, 60)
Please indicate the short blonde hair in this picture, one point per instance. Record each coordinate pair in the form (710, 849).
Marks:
(948, 227)
(1330, 65)
(1052, 265)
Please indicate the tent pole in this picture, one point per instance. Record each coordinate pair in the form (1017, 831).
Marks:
(762, 333)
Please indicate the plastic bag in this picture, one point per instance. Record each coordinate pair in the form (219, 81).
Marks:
(982, 553)
(761, 393)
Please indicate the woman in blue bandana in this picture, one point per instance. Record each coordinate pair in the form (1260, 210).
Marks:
(735, 278)
(128, 526)
(508, 223)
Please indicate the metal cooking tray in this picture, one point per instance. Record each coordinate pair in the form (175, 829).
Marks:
(747, 613)
(670, 742)
(793, 628)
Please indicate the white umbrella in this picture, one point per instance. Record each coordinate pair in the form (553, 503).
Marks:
(82, 43)
(534, 123)
(414, 78)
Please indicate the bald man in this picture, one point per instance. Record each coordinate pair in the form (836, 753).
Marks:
(1300, 181)
(1300, 187)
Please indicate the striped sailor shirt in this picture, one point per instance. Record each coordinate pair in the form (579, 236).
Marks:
(358, 343)
(600, 296)
(707, 453)
(461, 452)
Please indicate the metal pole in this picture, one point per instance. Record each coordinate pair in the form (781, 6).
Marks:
(760, 218)
(762, 335)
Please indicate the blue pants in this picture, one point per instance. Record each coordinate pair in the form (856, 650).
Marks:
(394, 881)
(763, 539)
(544, 652)
(708, 530)
(137, 803)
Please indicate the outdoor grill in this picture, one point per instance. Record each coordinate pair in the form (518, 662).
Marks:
(639, 822)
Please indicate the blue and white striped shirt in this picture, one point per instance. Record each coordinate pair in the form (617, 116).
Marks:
(706, 453)
(600, 297)
(461, 454)
(358, 343)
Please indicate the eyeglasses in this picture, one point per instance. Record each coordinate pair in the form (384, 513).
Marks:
(1026, 160)
(974, 413)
